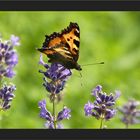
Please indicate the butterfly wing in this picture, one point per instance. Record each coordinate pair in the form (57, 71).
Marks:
(63, 47)
(71, 38)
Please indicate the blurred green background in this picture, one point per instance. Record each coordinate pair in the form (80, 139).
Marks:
(112, 37)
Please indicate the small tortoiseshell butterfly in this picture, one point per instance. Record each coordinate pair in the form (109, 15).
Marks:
(63, 47)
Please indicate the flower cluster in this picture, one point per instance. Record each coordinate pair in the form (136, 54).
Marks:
(102, 108)
(45, 114)
(55, 77)
(131, 115)
(6, 96)
(8, 56)
(8, 60)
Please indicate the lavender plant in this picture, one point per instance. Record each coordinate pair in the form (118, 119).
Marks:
(53, 122)
(130, 113)
(8, 56)
(6, 96)
(103, 107)
(55, 78)
(8, 60)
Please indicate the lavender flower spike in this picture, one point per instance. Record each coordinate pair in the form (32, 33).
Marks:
(8, 56)
(103, 106)
(55, 76)
(6, 96)
(45, 114)
(130, 113)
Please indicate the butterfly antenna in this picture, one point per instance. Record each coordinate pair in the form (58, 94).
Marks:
(81, 78)
(93, 64)
(80, 74)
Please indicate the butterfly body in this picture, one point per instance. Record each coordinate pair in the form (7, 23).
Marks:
(63, 47)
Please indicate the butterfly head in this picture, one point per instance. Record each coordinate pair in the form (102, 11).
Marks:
(40, 49)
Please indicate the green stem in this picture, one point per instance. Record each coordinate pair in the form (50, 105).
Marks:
(1, 116)
(54, 111)
(101, 124)
(126, 126)
(0, 81)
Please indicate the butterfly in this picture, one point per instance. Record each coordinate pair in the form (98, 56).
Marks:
(63, 47)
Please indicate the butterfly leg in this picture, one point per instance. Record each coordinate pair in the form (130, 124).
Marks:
(49, 61)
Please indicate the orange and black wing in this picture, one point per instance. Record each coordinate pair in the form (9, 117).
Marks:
(63, 46)
(71, 39)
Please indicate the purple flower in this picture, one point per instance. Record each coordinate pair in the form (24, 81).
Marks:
(6, 96)
(50, 125)
(55, 76)
(14, 40)
(64, 114)
(88, 108)
(130, 112)
(45, 114)
(109, 113)
(96, 90)
(8, 57)
(103, 106)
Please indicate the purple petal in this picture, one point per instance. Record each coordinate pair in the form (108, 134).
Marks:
(42, 104)
(14, 40)
(12, 59)
(88, 108)
(49, 125)
(9, 73)
(98, 100)
(110, 113)
(44, 113)
(103, 96)
(64, 114)
(6, 96)
(110, 103)
(96, 90)
(41, 62)
(118, 94)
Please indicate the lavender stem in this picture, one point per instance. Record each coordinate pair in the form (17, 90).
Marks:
(126, 126)
(54, 111)
(101, 124)
(0, 81)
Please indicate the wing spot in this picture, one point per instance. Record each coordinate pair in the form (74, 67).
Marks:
(67, 45)
(77, 33)
(76, 43)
